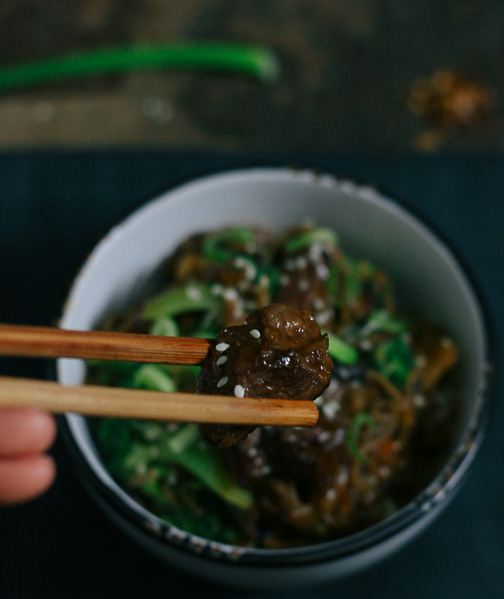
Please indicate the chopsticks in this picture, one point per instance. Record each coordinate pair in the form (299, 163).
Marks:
(94, 400)
(48, 342)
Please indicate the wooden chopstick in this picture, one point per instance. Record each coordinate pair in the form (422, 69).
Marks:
(94, 400)
(48, 342)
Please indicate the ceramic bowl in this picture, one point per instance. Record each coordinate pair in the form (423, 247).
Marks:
(428, 279)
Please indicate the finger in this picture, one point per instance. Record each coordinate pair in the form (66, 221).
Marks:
(24, 478)
(25, 431)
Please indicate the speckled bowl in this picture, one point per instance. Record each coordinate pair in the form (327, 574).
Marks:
(428, 278)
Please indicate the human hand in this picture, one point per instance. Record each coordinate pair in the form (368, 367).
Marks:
(25, 470)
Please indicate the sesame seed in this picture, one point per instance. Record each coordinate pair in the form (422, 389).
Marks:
(330, 409)
(222, 346)
(222, 360)
(255, 333)
(331, 494)
(216, 289)
(342, 477)
(303, 284)
(284, 280)
(322, 271)
(366, 345)
(421, 361)
(301, 262)
(247, 265)
(316, 250)
(318, 303)
(263, 281)
(324, 317)
(419, 401)
(222, 381)
(230, 294)
(193, 293)
(239, 391)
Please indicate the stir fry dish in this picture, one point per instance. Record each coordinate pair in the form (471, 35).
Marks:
(275, 306)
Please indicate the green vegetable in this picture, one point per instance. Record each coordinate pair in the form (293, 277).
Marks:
(333, 280)
(353, 433)
(382, 320)
(154, 378)
(352, 289)
(320, 235)
(190, 298)
(165, 327)
(257, 61)
(218, 247)
(340, 350)
(394, 360)
(206, 464)
(130, 446)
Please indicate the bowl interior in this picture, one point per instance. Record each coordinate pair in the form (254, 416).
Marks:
(427, 278)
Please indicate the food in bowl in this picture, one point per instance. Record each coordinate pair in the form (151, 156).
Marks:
(385, 419)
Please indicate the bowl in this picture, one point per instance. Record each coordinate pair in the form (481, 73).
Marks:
(428, 279)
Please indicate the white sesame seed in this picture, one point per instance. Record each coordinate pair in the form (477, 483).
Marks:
(284, 280)
(324, 317)
(222, 381)
(303, 284)
(315, 252)
(193, 293)
(301, 262)
(255, 333)
(318, 303)
(230, 294)
(322, 271)
(263, 281)
(222, 360)
(239, 391)
(217, 289)
(330, 494)
(419, 401)
(330, 409)
(247, 265)
(342, 477)
(222, 346)
(366, 344)
(421, 361)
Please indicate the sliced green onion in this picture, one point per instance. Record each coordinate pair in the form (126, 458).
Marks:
(190, 298)
(256, 61)
(320, 235)
(341, 351)
(214, 245)
(153, 378)
(353, 433)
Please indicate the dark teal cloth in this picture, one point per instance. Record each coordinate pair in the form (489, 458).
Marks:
(55, 206)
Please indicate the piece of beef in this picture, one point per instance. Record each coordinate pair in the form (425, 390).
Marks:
(279, 352)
